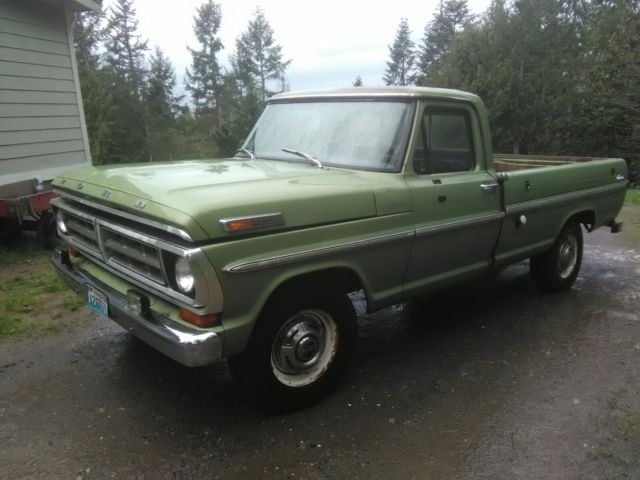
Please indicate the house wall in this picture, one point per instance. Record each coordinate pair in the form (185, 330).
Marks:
(42, 129)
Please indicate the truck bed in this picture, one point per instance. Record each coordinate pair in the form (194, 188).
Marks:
(511, 162)
(538, 201)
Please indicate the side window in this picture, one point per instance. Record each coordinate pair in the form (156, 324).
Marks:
(447, 142)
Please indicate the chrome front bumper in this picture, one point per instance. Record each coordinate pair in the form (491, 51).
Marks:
(190, 347)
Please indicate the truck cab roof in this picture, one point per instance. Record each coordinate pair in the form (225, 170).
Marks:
(377, 92)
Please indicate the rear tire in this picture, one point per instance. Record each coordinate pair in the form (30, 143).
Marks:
(556, 270)
(299, 349)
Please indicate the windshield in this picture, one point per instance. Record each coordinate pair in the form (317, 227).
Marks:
(353, 134)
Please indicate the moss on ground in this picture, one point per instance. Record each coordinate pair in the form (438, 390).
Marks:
(621, 448)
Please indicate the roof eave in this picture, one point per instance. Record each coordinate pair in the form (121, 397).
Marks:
(82, 5)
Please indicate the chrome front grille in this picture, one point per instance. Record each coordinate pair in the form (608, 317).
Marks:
(137, 256)
(82, 230)
(114, 247)
(142, 251)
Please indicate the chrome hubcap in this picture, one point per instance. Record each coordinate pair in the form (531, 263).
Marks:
(304, 347)
(568, 256)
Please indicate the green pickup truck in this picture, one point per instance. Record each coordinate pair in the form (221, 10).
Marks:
(392, 191)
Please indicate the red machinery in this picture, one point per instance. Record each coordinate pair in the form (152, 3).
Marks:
(25, 206)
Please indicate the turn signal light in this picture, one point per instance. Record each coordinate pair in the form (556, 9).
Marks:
(203, 321)
(239, 225)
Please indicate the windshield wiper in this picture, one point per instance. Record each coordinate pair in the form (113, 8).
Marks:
(306, 156)
(246, 151)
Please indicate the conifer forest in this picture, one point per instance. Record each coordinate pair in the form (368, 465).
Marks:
(558, 77)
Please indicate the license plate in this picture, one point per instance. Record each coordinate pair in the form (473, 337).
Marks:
(98, 302)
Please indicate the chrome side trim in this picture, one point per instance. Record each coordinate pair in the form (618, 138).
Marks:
(444, 227)
(317, 252)
(152, 223)
(262, 222)
(549, 201)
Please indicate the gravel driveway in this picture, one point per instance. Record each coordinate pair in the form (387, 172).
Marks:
(492, 380)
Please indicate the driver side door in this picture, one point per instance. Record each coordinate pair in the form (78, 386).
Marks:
(456, 201)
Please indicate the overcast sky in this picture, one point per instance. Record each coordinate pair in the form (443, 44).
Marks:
(330, 42)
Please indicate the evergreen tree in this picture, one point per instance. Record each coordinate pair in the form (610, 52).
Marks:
(479, 61)
(284, 83)
(204, 80)
(450, 16)
(161, 102)
(243, 107)
(97, 100)
(124, 64)
(610, 90)
(125, 50)
(505, 59)
(543, 51)
(402, 57)
(557, 78)
(258, 56)
(358, 81)
(87, 35)
(161, 106)
(457, 13)
(546, 72)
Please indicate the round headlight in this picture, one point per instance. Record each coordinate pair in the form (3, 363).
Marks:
(60, 222)
(184, 277)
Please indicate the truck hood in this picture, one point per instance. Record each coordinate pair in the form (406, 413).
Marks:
(194, 195)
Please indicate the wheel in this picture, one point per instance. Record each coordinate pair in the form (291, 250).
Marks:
(300, 347)
(47, 231)
(557, 269)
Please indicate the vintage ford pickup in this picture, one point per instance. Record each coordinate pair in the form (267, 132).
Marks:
(392, 191)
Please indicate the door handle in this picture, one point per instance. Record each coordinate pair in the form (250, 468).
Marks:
(487, 187)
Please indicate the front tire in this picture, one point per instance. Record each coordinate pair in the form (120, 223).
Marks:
(299, 349)
(557, 269)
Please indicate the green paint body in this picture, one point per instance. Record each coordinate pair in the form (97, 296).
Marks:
(423, 243)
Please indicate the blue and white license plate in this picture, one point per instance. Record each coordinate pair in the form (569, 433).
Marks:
(97, 301)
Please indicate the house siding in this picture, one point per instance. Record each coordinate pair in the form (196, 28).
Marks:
(42, 129)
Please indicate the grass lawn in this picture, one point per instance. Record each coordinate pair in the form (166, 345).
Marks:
(633, 196)
(33, 299)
